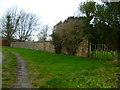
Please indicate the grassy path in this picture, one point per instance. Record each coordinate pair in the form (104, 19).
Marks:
(1, 57)
(22, 80)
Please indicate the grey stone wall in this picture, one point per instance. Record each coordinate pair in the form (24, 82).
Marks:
(43, 46)
(82, 50)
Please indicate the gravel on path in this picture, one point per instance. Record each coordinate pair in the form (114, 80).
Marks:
(22, 79)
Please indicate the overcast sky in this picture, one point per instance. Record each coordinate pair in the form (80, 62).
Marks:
(50, 11)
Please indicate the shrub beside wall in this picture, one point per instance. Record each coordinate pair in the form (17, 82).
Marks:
(82, 49)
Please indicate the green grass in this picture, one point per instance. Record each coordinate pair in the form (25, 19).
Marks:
(49, 70)
(9, 66)
(0, 48)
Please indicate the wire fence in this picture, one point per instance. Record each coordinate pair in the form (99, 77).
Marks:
(101, 51)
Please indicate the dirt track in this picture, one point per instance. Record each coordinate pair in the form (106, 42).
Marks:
(22, 79)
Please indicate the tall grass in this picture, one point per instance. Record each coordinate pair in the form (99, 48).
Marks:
(103, 54)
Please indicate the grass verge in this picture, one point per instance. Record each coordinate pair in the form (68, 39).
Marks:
(9, 66)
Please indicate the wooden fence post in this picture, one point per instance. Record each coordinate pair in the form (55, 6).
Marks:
(95, 49)
(107, 50)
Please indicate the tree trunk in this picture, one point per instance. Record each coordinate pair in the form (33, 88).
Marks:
(89, 49)
(118, 54)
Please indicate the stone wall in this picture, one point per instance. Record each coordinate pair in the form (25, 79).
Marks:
(43, 46)
(82, 50)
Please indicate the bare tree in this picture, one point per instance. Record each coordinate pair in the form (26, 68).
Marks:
(17, 24)
(43, 34)
(27, 25)
(9, 24)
